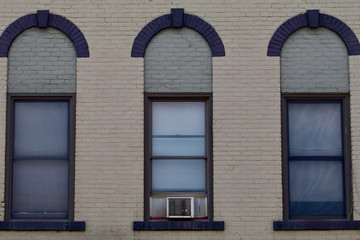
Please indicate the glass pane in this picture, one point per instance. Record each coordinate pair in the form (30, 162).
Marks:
(183, 175)
(315, 129)
(316, 188)
(200, 205)
(41, 129)
(178, 118)
(158, 207)
(40, 188)
(192, 146)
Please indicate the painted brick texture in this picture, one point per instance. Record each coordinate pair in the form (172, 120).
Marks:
(314, 60)
(42, 61)
(246, 116)
(178, 60)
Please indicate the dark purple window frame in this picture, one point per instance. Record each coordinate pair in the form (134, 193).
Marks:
(52, 224)
(325, 222)
(175, 224)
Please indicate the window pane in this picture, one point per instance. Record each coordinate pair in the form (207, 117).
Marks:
(40, 188)
(178, 118)
(315, 129)
(41, 129)
(189, 146)
(158, 207)
(316, 188)
(184, 175)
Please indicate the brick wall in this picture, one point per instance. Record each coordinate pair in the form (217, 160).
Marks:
(314, 60)
(42, 61)
(246, 116)
(178, 60)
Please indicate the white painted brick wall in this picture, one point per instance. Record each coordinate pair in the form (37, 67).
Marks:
(246, 86)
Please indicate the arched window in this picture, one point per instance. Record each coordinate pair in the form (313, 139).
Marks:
(178, 122)
(317, 124)
(40, 144)
(315, 91)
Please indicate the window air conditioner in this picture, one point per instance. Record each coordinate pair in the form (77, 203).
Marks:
(180, 207)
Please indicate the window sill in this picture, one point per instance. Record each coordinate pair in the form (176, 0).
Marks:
(179, 225)
(317, 225)
(42, 226)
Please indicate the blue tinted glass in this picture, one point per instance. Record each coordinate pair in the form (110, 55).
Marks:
(41, 129)
(178, 118)
(316, 188)
(178, 128)
(178, 175)
(189, 146)
(40, 188)
(315, 129)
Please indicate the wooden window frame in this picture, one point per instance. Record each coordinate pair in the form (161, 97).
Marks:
(207, 99)
(344, 98)
(8, 162)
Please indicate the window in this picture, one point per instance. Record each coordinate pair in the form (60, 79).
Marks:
(178, 152)
(40, 124)
(178, 141)
(40, 156)
(40, 128)
(316, 157)
(315, 88)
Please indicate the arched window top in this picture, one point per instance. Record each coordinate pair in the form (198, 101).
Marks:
(313, 19)
(43, 19)
(177, 19)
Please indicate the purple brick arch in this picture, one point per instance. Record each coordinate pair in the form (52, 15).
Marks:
(313, 19)
(177, 19)
(43, 19)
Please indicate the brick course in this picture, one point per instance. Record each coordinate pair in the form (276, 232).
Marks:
(42, 61)
(314, 60)
(178, 60)
(246, 121)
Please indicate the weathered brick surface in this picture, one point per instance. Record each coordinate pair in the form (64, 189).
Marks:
(42, 61)
(246, 117)
(314, 60)
(178, 60)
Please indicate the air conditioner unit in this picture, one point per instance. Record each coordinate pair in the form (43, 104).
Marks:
(180, 207)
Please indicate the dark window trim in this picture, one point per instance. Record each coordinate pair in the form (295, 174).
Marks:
(177, 19)
(32, 223)
(313, 19)
(42, 225)
(179, 225)
(44, 19)
(194, 224)
(317, 223)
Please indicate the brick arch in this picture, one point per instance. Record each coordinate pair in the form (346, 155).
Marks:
(313, 19)
(177, 19)
(44, 19)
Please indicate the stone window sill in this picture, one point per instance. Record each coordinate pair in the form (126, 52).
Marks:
(179, 225)
(317, 225)
(42, 226)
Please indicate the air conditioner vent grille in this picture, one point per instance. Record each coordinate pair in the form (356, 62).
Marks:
(180, 207)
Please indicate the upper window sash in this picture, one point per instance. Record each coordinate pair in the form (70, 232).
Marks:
(177, 131)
